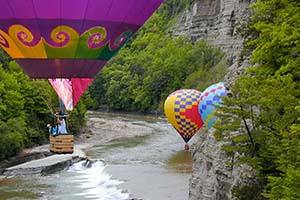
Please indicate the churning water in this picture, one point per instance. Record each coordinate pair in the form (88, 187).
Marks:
(85, 182)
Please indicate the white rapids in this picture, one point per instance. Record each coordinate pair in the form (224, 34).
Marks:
(86, 182)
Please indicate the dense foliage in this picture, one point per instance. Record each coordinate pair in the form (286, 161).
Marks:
(261, 120)
(23, 111)
(152, 66)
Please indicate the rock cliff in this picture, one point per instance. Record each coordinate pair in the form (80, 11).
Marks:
(218, 22)
(213, 178)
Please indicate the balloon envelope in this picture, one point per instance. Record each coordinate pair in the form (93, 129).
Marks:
(209, 99)
(69, 38)
(181, 109)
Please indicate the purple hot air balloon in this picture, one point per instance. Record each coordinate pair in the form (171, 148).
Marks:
(69, 38)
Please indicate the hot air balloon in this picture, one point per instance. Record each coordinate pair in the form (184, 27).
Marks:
(69, 41)
(209, 99)
(181, 109)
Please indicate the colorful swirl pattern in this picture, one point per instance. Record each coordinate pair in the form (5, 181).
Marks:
(3, 41)
(97, 37)
(61, 36)
(119, 40)
(24, 35)
(63, 42)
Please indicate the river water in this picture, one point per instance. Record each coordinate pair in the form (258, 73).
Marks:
(135, 157)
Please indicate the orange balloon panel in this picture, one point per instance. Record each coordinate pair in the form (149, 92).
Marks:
(181, 109)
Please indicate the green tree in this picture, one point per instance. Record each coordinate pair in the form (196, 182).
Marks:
(12, 115)
(260, 120)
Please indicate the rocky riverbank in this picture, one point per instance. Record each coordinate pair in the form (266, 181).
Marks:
(100, 130)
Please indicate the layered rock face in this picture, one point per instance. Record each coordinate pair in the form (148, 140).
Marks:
(213, 177)
(217, 22)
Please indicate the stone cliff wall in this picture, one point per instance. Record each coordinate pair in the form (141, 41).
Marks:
(217, 22)
(213, 178)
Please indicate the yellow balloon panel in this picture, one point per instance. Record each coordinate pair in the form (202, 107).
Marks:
(29, 46)
(9, 45)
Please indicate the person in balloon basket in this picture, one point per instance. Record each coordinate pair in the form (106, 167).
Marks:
(52, 130)
(61, 126)
(186, 147)
(59, 129)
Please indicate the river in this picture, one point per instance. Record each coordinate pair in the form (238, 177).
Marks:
(136, 156)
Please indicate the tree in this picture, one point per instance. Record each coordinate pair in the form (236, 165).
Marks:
(261, 119)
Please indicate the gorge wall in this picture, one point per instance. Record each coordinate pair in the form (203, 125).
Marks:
(218, 22)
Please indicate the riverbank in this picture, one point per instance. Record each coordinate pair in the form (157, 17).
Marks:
(102, 130)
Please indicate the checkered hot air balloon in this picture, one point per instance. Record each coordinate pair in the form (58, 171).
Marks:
(181, 109)
(209, 99)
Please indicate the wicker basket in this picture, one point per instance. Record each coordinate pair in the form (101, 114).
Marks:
(63, 143)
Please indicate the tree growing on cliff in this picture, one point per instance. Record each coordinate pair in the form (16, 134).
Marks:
(265, 106)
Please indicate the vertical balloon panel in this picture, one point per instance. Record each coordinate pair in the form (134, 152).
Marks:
(79, 85)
